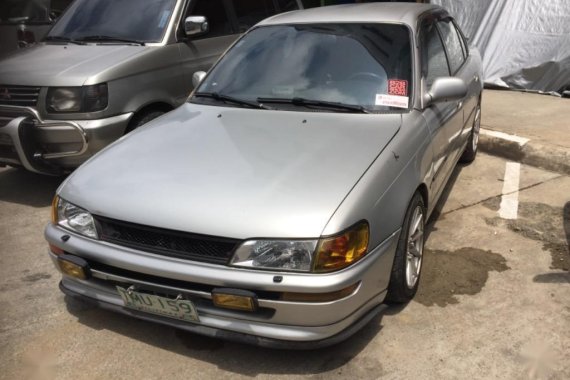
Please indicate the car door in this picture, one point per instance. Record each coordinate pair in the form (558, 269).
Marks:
(460, 67)
(444, 119)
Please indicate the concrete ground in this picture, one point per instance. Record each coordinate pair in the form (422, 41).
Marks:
(494, 301)
(530, 128)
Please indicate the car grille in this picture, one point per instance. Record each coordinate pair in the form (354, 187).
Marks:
(25, 96)
(164, 242)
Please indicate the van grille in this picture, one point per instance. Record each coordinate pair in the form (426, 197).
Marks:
(19, 95)
(164, 242)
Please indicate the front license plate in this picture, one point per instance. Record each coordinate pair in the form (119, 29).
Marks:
(179, 309)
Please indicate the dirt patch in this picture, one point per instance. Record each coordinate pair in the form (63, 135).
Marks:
(544, 223)
(36, 277)
(492, 203)
(447, 274)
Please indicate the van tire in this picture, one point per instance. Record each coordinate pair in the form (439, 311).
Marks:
(143, 118)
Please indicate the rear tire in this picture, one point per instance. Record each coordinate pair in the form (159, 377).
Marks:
(406, 270)
(470, 151)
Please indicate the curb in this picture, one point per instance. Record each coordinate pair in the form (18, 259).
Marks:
(525, 151)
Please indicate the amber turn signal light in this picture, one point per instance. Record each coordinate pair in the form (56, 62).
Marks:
(54, 209)
(337, 252)
(235, 299)
(74, 266)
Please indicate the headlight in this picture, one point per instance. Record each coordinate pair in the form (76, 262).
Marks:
(73, 218)
(292, 255)
(324, 255)
(78, 99)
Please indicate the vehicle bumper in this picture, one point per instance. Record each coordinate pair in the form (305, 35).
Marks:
(53, 146)
(277, 323)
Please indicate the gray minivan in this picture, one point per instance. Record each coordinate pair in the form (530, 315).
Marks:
(107, 67)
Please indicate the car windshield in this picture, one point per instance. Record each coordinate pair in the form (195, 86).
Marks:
(114, 20)
(328, 67)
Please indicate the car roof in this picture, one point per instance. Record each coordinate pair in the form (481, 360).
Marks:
(406, 13)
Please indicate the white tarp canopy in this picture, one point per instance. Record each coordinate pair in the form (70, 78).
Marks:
(525, 44)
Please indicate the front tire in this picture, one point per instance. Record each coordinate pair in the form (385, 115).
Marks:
(407, 266)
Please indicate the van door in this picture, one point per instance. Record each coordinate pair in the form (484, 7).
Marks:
(227, 19)
(200, 53)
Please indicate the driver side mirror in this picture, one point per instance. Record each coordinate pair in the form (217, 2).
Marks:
(445, 89)
(196, 26)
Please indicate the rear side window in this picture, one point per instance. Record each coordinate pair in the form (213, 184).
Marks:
(433, 54)
(453, 45)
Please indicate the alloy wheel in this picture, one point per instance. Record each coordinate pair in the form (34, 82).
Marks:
(415, 247)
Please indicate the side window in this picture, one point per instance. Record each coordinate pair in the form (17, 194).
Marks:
(215, 13)
(453, 45)
(433, 55)
(463, 41)
(249, 13)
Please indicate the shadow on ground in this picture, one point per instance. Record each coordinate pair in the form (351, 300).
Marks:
(26, 188)
(229, 356)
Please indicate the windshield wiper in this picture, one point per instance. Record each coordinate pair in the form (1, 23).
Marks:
(230, 99)
(63, 39)
(315, 103)
(99, 38)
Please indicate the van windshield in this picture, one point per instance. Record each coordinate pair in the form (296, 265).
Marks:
(114, 20)
(31, 11)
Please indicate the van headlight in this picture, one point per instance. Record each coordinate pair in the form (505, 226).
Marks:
(327, 254)
(72, 217)
(77, 99)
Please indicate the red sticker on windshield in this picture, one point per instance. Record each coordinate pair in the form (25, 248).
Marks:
(397, 87)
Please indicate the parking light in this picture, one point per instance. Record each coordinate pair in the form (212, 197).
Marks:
(340, 251)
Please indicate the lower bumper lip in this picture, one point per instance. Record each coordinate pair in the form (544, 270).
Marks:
(315, 343)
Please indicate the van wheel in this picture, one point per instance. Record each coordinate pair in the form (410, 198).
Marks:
(471, 149)
(142, 118)
(407, 266)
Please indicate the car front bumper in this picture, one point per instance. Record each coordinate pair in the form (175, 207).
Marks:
(277, 323)
(53, 146)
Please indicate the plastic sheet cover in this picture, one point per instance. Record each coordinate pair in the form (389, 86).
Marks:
(525, 44)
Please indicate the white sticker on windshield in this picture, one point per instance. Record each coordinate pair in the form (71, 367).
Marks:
(164, 19)
(392, 101)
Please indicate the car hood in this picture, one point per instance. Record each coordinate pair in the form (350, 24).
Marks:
(233, 172)
(62, 65)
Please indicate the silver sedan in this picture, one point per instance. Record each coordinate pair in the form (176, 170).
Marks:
(287, 199)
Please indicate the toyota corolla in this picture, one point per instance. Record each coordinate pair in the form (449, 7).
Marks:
(287, 199)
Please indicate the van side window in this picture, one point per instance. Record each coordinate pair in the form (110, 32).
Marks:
(251, 12)
(215, 13)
